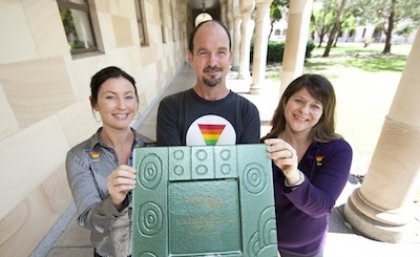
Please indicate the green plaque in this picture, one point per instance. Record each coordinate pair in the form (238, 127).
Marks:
(204, 201)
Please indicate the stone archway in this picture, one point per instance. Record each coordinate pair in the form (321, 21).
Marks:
(202, 17)
(197, 7)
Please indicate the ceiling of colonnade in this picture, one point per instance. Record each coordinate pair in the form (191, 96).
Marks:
(200, 4)
(211, 7)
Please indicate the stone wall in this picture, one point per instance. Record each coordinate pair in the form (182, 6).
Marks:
(44, 105)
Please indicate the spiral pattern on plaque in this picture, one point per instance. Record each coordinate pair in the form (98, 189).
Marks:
(263, 240)
(254, 178)
(201, 170)
(178, 155)
(150, 172)
(178, 170)
(201, 155)
(225, 154)
(150, 218)
(225, 169)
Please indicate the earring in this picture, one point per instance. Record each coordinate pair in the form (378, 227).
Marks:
(98, 120)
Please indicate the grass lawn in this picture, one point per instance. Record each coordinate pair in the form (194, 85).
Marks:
(352, 55)
(368, 59)
(365, 82)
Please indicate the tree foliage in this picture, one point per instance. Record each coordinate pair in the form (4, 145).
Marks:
(336, 27)
(323, 17)
(387, 15)
(403, 16)
(275, 12)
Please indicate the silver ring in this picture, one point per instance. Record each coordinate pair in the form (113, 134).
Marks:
(291, 154)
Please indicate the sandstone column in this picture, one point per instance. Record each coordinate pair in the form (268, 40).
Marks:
(229, 18)
(247, 27)
(262, 29)
(223, 11)
(382, 207)
(236, 36)
(296, 40)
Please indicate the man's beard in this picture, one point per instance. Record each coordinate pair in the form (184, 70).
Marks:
(213, 80)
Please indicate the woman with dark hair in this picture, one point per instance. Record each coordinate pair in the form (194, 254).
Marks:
(99, 169)
(311, 164)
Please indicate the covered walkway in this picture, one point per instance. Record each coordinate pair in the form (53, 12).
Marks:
(73, 241)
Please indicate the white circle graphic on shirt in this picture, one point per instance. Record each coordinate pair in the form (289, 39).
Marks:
(211, 130)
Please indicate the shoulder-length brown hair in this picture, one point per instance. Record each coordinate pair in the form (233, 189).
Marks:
(322, 90)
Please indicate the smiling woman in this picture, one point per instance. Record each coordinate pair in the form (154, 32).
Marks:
(117, 104)
(99, 169)
(311, 164)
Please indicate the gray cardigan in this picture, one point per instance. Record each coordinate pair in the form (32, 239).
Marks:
(88, 165)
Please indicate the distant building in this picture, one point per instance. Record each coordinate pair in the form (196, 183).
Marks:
(368, 33)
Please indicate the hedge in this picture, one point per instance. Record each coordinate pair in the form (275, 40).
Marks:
(276, 48)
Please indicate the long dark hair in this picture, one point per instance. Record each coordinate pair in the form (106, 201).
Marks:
(104, 74)
(322, 90)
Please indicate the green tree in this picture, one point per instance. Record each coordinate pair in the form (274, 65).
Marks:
(405, 30)
(322, 19)
(275, 12)
(351, 17)
(397, 11)
(387, 14)
(335, 28)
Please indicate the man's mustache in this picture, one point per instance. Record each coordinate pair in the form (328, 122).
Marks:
(210, 69)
